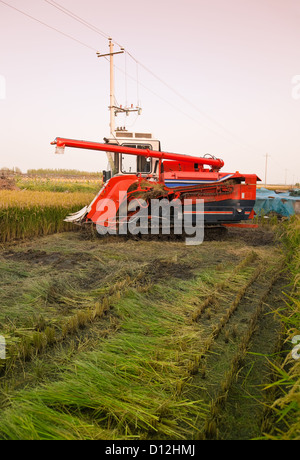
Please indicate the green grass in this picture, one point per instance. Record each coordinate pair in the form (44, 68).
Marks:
(48, 185)
(62, 173)
(287, 405)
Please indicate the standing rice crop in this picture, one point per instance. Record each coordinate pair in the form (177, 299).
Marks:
(287, 406)
(28, 214)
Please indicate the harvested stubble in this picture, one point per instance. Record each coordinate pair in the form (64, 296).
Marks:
(31, 345)
(211, 425)
(211, 298)
(150, 363)
(121, 388)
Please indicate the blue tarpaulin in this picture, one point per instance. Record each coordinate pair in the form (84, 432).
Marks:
(268, 201)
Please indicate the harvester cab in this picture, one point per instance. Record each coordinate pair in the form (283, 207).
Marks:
(123, 163)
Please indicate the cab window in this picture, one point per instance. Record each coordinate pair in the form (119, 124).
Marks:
(133, 164)
(128, 163)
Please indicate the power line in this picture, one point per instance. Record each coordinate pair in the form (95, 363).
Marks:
(47, 25)
(103, 34)
(77, 18)
(78, 41)
(189, 102)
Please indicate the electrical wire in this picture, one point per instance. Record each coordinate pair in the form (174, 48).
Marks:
(238, 141)
(138, 63)
(77, 18)
(47, 25)
(103, 34)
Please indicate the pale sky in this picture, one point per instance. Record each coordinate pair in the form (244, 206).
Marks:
(230, 67)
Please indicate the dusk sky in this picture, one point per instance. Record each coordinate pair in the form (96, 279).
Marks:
(213, 76)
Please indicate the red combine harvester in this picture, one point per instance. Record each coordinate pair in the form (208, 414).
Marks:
(140, 170)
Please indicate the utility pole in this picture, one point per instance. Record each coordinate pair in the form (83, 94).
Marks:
(112, 82)
(114, 109)
(112, 85)
(266, 167)
(111, 94)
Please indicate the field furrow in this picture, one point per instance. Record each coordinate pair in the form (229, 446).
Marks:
(228, 361)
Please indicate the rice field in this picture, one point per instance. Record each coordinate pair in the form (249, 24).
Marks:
(59, 184)
(127, 339)
(26, 214)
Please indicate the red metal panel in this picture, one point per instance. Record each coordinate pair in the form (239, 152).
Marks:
(241, 225)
